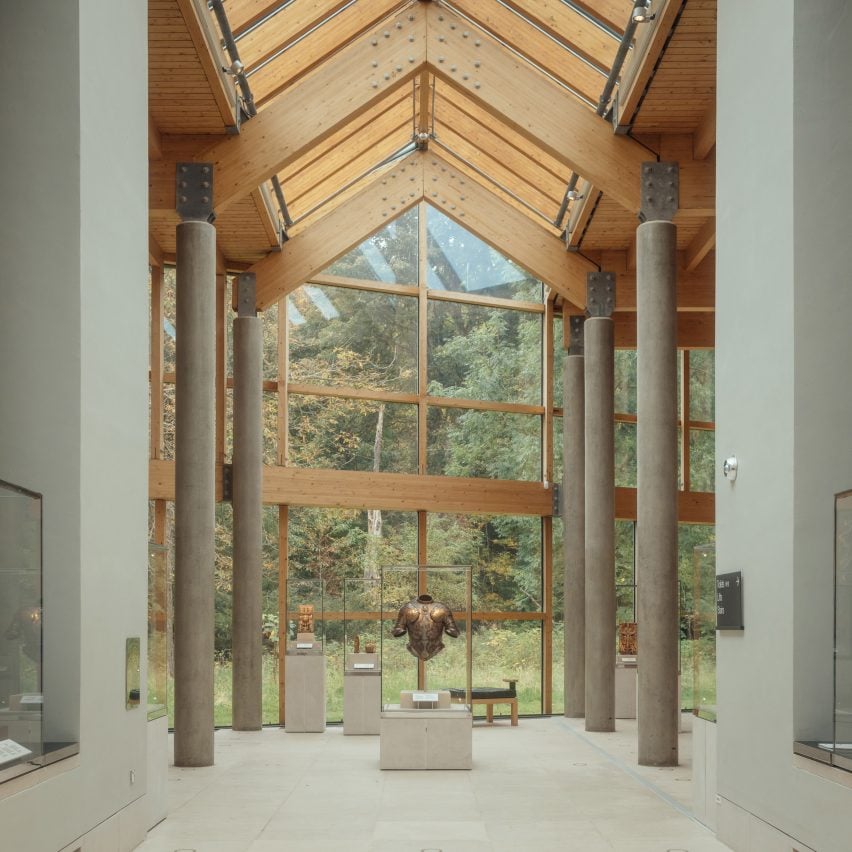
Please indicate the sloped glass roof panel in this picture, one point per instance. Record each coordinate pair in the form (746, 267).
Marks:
(460, 262)
(389, 256)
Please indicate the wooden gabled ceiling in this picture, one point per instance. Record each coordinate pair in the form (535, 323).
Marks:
(504, 92)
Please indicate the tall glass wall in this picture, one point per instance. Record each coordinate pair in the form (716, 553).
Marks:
(424, 351)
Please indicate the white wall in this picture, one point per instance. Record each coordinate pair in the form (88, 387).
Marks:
(73, 421)
(784, 401)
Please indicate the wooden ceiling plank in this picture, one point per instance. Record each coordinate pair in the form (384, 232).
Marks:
(212, 58)
(338, 231)
(542, 50)
(505, 229)
(347, 85)
(639, 68)
(316, 47)
(535, 106)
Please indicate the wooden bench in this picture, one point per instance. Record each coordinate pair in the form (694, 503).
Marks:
(489, 696)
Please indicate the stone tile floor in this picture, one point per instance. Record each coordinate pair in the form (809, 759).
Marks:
(545, 785)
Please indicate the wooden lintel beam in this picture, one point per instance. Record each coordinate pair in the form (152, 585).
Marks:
(335, 233)
(535, 106)
(309, 111)
(291, 486)
(694, 330)
(704, 135)
(348, 489)
(696, 288)
(700, 246)
(639, 68)
(693, 507)
(506, 229)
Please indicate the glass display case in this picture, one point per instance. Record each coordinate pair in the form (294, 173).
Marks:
(305, 607)
(362, 624)
(842, 737)
(21, 698)
(158, 659)
(836, 747)
(426, 644)
(700, 632)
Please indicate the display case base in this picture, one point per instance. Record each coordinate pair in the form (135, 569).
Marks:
(362, 703)
(304, 695)
(426, 739)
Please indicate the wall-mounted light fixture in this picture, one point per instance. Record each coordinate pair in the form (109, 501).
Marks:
(642, 12)
(729, 468)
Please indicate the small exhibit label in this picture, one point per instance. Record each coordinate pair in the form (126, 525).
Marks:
(33, 698)
(364, 666)
(304, 644)
(425, 696)
(10, 750)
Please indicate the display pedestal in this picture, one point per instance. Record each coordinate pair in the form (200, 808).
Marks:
(426, 739)
(362, 701)
(626, 685)
(304, 693)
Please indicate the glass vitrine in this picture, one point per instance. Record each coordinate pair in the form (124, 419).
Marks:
(21, 615)
(305, 615)
(426, 645)
(842, 744)
(362, 624)
(157, 630)
(701, 631)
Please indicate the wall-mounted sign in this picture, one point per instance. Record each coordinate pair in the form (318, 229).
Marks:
(729, 601)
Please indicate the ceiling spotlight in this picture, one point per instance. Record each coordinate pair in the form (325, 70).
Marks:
(573, 195)
(236, 68)
(642, 12)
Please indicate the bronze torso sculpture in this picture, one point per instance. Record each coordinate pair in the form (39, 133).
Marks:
(425, 620)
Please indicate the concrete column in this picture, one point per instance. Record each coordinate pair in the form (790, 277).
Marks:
(248, 508)
(600, 515)
(574, 521)
(656, 531)
(195, 493)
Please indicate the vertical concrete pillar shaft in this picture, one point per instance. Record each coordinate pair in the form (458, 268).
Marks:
(600, 525)
(656, 532)
(195, 497)
(574, 537)
(248, 508)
